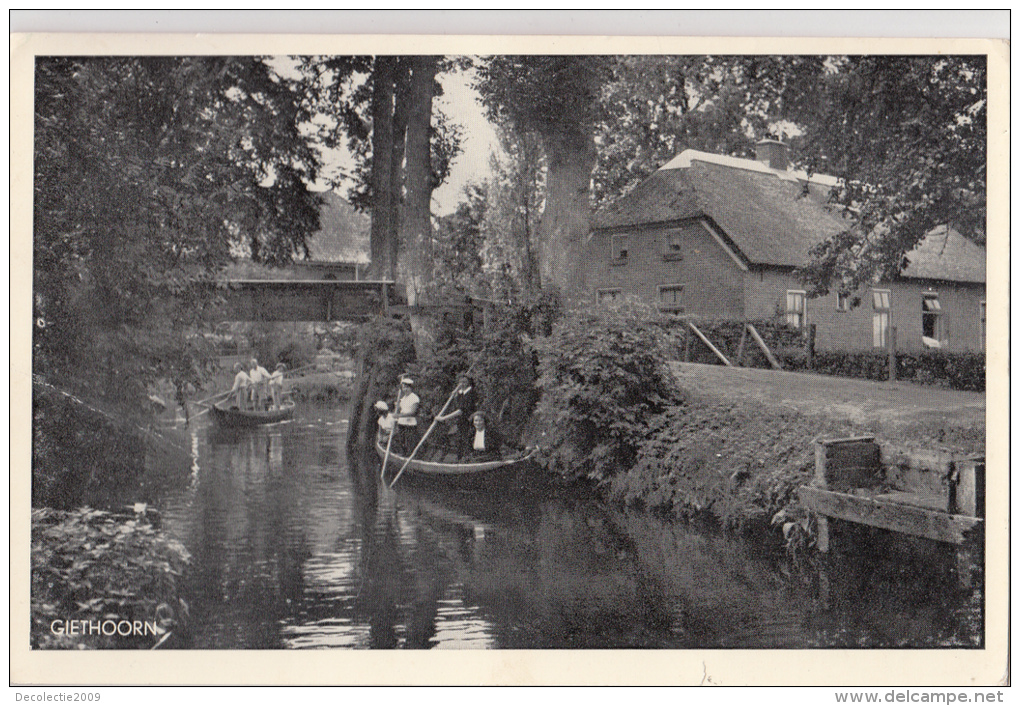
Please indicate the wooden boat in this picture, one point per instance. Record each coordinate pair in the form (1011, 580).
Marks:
(228, 416)
(439, 468)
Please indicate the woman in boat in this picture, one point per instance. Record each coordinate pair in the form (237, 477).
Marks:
(463, 406)
(486, 441)
(406, 416)
(241, 389)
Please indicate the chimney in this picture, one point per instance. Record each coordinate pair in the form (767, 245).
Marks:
(773, 154)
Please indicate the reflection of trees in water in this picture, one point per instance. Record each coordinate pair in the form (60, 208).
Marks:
(244, 564)
(283, 555)
(709, 589)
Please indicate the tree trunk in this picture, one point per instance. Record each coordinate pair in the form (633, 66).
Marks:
(415, 261)
(565, 220)
(384, 199)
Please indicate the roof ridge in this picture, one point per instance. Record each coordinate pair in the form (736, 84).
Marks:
(685, 158)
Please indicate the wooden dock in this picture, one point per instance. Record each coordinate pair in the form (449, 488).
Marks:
(918, 492)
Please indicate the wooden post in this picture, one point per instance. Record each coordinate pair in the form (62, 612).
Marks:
(812, 330)
(850, 462)
(740, 348)
(765, 349)
(687, 346)
(704, 339)
(820, 482)
(967, 497)
(892, 354)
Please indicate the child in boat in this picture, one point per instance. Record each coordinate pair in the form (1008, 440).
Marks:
(276, 385)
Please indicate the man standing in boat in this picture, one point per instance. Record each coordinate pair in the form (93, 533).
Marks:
(406, 417)
(259, 381)
(463, 405)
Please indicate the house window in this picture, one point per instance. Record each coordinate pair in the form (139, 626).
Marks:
(842, 302)
(881, 303)
(932, 329)
(607, 295)
(672, 244)
(796, 308)
(619, 244)
(671, 297)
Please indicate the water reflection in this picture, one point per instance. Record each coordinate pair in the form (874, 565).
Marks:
(296, 546)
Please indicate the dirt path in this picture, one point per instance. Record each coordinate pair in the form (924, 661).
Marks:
(889, 406)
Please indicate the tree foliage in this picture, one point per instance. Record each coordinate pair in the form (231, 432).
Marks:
(364, 104)
(148, 172)
(906, 136)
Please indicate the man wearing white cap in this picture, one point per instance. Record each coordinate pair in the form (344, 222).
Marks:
(407, 416)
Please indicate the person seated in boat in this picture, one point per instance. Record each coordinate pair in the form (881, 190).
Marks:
(276, 385)
(406, 417)
(486, 441)
(462, 406)
(241, 390)
(259, 382)
(385, 420)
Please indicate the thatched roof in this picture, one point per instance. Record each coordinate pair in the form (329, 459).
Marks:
(767, 215)
(945, 254)
(343, 232)
(772, 217)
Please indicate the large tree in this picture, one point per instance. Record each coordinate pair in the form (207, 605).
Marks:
(149, 171)
(557, 99)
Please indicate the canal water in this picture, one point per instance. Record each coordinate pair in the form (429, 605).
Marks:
(296, 546)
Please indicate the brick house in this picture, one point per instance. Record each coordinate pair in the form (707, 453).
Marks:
(720, 237)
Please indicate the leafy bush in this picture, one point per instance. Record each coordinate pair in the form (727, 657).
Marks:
(90, 565)
(735, 465)
(603, 376)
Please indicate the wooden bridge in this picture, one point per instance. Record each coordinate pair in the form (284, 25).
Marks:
(326, 300)
(309, 300)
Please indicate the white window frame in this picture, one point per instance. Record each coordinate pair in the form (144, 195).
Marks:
(881, 317)
(615, 240)
(671, 287)
(933, 311)
(796, 317)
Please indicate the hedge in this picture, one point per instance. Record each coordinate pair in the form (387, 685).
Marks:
(957, 371)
